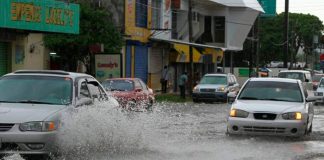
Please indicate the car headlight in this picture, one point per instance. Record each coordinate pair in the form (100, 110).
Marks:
(239, 113)
(38, 126)
(292, 116)
(221, 89)
(196, 89)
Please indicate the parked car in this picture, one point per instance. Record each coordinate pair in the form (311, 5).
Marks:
(271, 106)
(132, 93)
(320, 91)
(304, 76)
(214, 87)
(316, 79)
(32, 102)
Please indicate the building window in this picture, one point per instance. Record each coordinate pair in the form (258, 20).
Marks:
(141, 13)
(156, 14)
(219, 24)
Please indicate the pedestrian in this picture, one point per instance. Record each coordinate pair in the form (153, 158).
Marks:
(164, 79)
(182, 85)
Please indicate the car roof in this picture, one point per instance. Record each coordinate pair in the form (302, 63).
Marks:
(122, 79)
(301, 71)
(275, 80)
(58, 73)
(218, 74)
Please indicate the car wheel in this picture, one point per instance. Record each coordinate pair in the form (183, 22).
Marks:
(195, 100)
(131, 105)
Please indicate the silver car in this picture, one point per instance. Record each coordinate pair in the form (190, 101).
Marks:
(271, 106)
(32, 102)
(320, 91)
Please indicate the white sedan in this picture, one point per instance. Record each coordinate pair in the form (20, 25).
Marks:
(271, 106)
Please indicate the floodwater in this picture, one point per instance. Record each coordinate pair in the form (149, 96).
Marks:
(172, 131)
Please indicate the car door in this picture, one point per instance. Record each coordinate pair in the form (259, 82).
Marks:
(96, 91)
(309, 105)
(146, 92)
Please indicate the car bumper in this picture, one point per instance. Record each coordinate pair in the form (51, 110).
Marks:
(246, 126)
(16, 141)
(210, 96)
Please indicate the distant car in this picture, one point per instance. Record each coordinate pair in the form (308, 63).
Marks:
(214, 87)
(32, 102)
(132, 93)
(316, 79)
(271, 106)
(320, 91)
(304, 76)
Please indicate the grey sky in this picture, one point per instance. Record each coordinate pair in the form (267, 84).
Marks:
(314, 7)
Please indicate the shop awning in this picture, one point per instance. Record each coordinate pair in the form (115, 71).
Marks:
(217, 54)
(183, 54)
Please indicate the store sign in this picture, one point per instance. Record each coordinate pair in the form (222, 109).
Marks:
(108, 66)
(40, 15)
(269, 7)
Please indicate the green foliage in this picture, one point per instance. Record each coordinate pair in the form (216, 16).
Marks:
(301, 30)
(95, 27)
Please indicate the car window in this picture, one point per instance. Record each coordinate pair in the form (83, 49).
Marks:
(235, 81)
(137, 84)
(214, 80)
(309, 77)
(118, 85)
(268, 90)
(42, 89)
(321, 84)
(84, 91)
(143, 85)
(292, 75)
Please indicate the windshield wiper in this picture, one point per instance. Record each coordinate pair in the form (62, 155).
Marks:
(249, 98)
(8, 102)
(34, 102)
(275, 99)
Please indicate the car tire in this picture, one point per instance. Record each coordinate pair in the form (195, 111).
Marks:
(195, 100)
(131, 105)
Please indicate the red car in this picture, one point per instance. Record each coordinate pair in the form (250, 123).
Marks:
(131, 93)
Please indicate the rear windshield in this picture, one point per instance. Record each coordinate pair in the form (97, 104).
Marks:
(267, 90)
(118, 85)
(292, 75)
(36, 89)
(214, 80)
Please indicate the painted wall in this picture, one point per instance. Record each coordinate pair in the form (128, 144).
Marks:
(28, 52)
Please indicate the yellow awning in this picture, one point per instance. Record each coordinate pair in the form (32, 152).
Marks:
(183, 53)
(217, 54)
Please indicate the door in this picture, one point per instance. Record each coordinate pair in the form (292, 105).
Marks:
(141, 62)
(3, 58)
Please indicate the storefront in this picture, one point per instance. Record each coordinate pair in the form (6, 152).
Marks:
(22, 24)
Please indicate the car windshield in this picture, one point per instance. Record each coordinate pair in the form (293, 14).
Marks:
(292, 75)
(118, 85)
(317, 77)
(36, 89)
(268, 90)
(214, 80)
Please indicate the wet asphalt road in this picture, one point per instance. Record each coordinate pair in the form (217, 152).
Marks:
(183, 131)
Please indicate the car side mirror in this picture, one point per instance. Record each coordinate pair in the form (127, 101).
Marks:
(313, 99)
(231, 97)
(83, 101)
(306, 80)
(151, 90)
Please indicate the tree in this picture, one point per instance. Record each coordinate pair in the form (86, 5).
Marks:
(302, 28)
(95, 27)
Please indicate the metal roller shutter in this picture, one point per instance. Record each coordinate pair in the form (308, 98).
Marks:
(128, 65)
(141, 62)
(3, 58)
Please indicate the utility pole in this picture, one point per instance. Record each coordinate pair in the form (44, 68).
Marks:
(286, 26)
(191, 67)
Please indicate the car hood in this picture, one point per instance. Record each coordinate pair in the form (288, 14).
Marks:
(254, 106)
(203, 86)
(20, 113)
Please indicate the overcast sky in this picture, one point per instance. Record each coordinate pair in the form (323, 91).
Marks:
(314, 7)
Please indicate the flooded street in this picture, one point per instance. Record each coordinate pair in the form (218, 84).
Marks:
(176, 132)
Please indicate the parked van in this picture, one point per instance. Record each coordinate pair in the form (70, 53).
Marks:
(304, 76)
